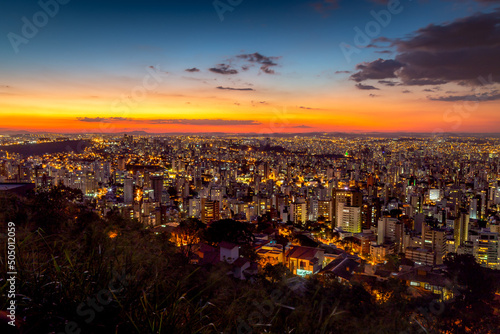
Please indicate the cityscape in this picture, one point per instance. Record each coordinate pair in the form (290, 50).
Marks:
(233, 167)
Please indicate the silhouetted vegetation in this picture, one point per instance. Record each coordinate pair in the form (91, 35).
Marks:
(77, 270)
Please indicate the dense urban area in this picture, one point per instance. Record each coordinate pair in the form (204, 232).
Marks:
(255, 234)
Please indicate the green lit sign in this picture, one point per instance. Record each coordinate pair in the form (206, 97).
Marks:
(302, 272)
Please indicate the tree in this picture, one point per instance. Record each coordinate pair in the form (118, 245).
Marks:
(53, 209)
(229, 230)
(190, 230)
(276, 272)
(473, 292)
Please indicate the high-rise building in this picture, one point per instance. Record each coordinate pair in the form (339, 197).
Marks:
(461, 229)
(157, 185)
(348, 197)
(209, 211)
(349, 218)
(121, 163)
(435, 240)
(298, 212)
(128, 190)
(486, 249)
(325, 210)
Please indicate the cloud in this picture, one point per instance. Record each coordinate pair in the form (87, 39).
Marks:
(388, 83)
(102, 119)
(470, 97)
(461, 51)
(325, 6)
(92, 120)
(373, 95)
(342, 72)
(302, 126)
(378, 69)
(194, 69)
(366, 87)
(265, 62)
(223, 69)
(212, 122)
(157, 69)
(406, 91)
(231, 88)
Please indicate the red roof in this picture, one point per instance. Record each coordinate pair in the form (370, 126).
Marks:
(227, 245)
(304, 253)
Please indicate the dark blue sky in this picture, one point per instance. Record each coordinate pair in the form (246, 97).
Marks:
(115, 35)
(105, 45)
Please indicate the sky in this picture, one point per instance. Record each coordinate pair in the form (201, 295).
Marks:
(250, 66)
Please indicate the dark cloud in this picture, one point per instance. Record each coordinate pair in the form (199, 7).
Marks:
(471, 97)
(102, 119)
(342, 72)
(310, 108)
(424, 82)
(223, 69)
(266, 62)
(366, 87)
(388, 83)
(378, 69)
(93, 119)
(213, 122)
(461, 51)
(406, 91)
(302, 127)
(194, 69)
(232, 88)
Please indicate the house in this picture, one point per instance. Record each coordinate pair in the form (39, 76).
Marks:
(304, 261)
(427, 279)
(270, 253)
(342, 268)
(239, 266)
(229, 252)
(207, 255)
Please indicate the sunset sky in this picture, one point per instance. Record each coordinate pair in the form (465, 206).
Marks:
(250, 66)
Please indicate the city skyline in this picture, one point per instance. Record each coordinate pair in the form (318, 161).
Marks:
(250, 67)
